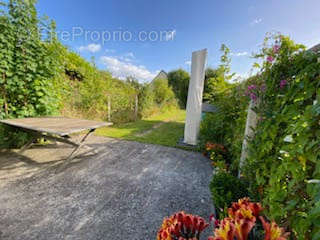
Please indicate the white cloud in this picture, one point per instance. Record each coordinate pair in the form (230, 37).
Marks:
(170, 35)
(123, 69)
(187, 63)
(90, 48)
(256, 21)
(110, 51)
(129, 55)
(126, 59)
(239, 54)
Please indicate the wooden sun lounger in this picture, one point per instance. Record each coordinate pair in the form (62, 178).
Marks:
(55, 129)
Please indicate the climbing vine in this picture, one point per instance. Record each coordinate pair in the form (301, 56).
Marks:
(284, 159)
(26, 63)
(283, 167)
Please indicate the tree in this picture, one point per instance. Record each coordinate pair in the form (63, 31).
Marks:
(217, 80)
(179, 81)
(162, 92)
(132, 81)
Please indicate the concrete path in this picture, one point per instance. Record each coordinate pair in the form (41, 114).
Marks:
(122, 191)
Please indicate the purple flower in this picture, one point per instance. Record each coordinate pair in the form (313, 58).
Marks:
(283, 83)
(253, 97)
(270, 59)
(263, 87)
(252, 87)
(276, 49)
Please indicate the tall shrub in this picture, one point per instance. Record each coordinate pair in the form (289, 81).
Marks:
(162, 92)
(226, 125)
(179, 81)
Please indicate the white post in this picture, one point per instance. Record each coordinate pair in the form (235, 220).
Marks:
(251, 124)
(194, 103)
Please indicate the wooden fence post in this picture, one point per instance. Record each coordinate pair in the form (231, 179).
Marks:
(251, 124)
(136, 108)
(109, 108)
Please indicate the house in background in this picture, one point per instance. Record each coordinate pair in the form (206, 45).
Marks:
(161, 75)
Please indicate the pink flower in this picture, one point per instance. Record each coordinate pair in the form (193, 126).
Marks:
(270, 59)
(283, 83)
(276, 49)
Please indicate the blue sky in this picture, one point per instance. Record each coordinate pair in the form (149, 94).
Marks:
(191, 25)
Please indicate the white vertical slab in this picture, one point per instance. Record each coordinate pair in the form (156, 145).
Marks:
(252, 120)
(195, 93)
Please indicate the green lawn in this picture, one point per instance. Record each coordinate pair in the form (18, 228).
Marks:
(164, 129)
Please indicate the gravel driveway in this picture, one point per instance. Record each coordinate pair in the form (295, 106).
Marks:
(123, 191)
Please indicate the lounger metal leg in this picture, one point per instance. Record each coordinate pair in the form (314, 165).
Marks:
(71, 156)
(27, 145)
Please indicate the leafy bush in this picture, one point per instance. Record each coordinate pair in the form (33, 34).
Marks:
(227, 125)
(162, 92)
(146, 101)
(225, 189)
(179, 81)
(12, 137)
(26, 69)
(284, 154)
(283, 164)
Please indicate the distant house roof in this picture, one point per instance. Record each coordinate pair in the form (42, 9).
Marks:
(207, 107)
(161, 75)
(315, 48)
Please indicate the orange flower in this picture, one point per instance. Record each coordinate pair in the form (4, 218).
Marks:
(181, 226)
(209, 146)
(273, 231)
(163, 234)
(256, 208)
(225, 231)
(243, 228)
(244, 209)
(215, 146)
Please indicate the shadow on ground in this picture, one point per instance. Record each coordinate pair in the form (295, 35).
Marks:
(123, 190)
